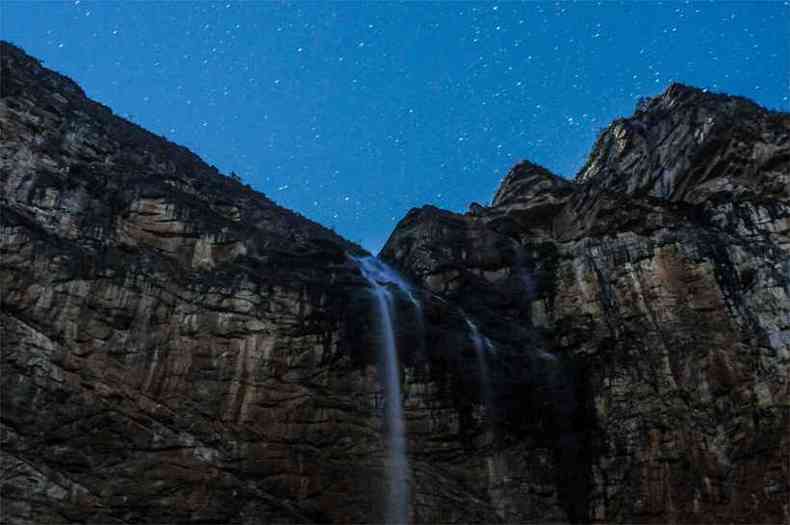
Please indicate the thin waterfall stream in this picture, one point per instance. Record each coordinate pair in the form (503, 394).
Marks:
(379, 275)
(482, 345)
(493, 461)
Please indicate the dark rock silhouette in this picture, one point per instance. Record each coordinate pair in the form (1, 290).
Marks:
(176, 347)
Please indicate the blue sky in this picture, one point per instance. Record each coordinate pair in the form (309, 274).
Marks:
(353, 113)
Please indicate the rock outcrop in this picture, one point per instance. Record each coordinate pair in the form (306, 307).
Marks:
(178, 348)
(663, 276)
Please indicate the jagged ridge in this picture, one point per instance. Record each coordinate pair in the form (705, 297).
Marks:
(661, 275)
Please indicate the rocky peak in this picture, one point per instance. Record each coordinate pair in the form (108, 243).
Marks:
(675, 94)
(679, 96)
(689, 145)
(525, 181)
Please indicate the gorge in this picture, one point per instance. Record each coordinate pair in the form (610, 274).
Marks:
(177, 348)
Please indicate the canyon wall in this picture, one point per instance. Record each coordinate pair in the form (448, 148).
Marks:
(663, 274)
(178, 348)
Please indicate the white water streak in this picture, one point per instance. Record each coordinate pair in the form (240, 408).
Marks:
(379, 275)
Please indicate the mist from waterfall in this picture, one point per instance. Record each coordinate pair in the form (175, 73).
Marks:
(379, 275)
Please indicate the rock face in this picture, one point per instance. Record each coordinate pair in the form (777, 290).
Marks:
(662, 276)
(178, 348)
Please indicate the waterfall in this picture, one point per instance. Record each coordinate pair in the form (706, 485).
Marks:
(481, 344)
(494, 461)
(379, 275)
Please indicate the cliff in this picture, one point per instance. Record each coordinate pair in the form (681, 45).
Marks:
(178, 348)
(663, 275)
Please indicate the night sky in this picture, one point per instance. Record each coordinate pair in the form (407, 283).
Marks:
(354, 113)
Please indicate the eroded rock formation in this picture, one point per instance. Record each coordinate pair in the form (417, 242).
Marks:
(178, 348)
(662, 274)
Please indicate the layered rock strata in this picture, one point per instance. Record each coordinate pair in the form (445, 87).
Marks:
(662, 274)
(178, 348)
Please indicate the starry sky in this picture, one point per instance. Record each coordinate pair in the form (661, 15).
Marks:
(353, 113)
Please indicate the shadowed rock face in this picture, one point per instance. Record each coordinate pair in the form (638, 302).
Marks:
(178, 348)
(663, 277)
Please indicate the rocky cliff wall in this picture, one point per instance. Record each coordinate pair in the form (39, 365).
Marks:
(178, 348)
(663, 275)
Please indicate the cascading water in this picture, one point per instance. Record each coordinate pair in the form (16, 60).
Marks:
(481, 345)
(379, 275)
(377, 272)
(494, 461)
